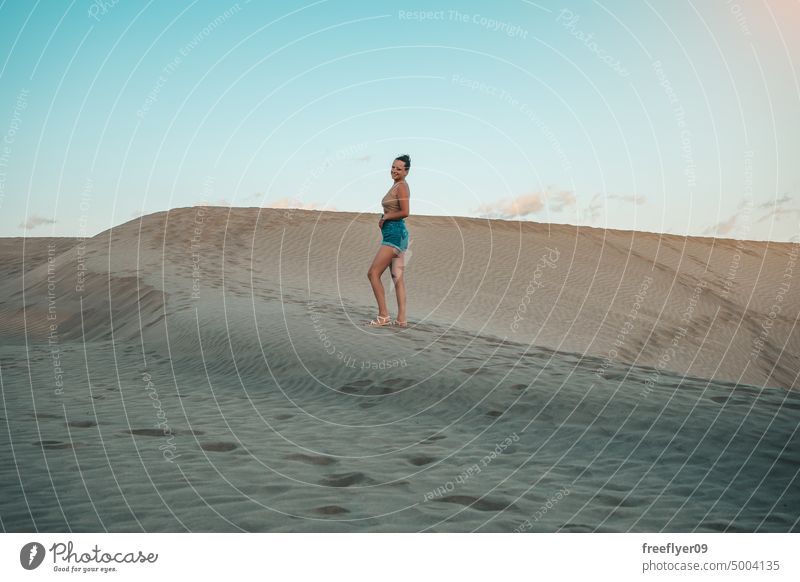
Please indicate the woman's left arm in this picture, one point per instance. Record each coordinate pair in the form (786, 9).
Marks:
(402, 197)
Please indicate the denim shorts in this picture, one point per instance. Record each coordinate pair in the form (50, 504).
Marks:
(395, 234)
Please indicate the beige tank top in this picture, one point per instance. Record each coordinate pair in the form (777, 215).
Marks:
(390, 202)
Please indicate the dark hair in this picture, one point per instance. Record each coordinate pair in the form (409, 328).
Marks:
(406, 160)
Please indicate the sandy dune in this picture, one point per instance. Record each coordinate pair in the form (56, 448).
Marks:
(552, 378)
(560, 287)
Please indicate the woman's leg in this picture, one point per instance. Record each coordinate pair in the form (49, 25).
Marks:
(382, 260)
(399, 285)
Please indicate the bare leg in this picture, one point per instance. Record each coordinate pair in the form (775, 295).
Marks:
(382, 260)
(399, 285)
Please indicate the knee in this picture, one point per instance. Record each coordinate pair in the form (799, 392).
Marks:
(397, 276)
(372, 274)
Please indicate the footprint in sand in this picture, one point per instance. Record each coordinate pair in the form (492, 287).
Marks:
(311, 459)
(346, 480)
(421, 460)
(331, 510)
(157, 432)
(82, 423)
(475, 503)
(387, 387)
(219, 446)
(576, 527)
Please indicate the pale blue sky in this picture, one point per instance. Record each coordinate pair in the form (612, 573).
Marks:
(679, 117)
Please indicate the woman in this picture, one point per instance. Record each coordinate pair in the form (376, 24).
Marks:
(393, 245)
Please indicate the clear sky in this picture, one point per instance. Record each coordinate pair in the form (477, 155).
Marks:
(679, 117)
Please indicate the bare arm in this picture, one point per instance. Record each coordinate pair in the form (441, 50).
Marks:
(402, 197)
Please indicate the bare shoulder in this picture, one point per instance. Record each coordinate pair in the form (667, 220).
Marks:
(403, 191)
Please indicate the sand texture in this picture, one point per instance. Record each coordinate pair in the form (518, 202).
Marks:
(552, 378)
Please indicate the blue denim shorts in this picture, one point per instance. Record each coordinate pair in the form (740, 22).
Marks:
(395, 234)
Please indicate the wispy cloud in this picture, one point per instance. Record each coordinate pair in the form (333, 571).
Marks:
(777, 202)
(34, 221)
(724, 227)
(558, 201)
(779, 214)
(555, 201)
(520, 206)
(777, 209)
(733, 222)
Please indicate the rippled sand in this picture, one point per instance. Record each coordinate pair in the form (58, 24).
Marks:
(285, 413)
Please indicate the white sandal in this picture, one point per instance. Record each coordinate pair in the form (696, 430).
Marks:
(381, 321)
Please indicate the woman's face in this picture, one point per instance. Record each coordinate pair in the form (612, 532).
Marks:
(399, 170)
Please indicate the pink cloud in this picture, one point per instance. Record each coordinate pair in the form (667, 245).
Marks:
(527, 204)
(520, 206)
(724, 227)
